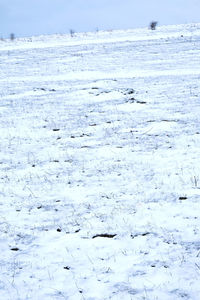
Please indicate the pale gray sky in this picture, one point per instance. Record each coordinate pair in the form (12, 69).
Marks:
(34, 17)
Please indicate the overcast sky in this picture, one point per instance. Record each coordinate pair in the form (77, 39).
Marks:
(34, 17)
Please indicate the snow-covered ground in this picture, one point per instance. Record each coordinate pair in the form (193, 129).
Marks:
(100, 166)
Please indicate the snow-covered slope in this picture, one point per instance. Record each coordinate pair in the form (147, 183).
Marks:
(99, 160)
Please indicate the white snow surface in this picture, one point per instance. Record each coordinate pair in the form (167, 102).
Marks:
(100, 165)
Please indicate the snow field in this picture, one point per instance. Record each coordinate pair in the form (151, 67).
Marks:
(99, 164)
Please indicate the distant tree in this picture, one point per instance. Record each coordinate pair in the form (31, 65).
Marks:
(153, 25)
(72, 32)
(12, 36)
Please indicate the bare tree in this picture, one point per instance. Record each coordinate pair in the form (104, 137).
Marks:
(153, 25)
(12, 36)
(72, 32)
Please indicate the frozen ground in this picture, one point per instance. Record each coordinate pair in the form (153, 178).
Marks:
(99, 161)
